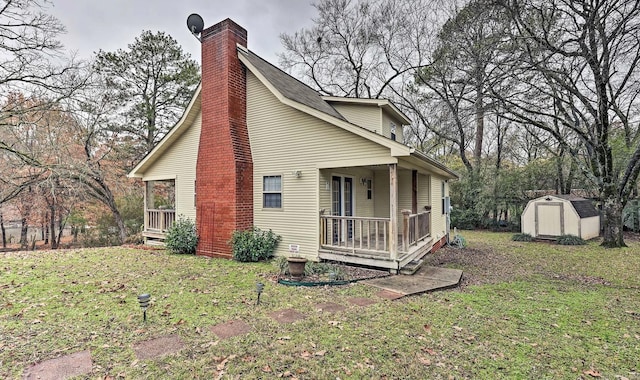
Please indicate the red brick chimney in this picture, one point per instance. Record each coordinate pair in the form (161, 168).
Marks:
(224, 171)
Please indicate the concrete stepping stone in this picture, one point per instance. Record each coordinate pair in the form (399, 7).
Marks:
(61, 368)
(287, 316)
(361, 301)
(427, 279)
(329, 307)
(230, 329)
(154, 348)
(388, 294)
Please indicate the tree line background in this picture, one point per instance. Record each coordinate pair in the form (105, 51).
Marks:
(520, 97)
(71, 130)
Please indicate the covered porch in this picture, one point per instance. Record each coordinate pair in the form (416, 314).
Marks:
(369, 241)
(159, 209)
(376, 215)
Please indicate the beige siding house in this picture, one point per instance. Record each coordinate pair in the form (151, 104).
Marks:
(330, 175)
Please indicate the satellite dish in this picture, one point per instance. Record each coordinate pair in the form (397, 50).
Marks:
(195, 24)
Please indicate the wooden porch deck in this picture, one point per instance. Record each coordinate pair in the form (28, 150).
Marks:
(368, 240)
(377, 259)
(347, 239)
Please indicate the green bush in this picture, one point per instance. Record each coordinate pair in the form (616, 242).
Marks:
(522, 237)
(253, 244)
(182, 237)
(465, 219)
(570, 240)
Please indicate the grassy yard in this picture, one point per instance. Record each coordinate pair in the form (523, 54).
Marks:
(524, 310)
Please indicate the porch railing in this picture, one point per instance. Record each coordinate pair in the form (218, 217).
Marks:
(371, 235)
(353, 233)
(415, 228)
(159, 220)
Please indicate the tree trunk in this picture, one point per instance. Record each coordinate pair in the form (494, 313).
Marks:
(24, 228)
(612, 222)
(60, 227)
(120, 223)
(52, 224)
(479, 110)
(4, 232)
(45, 228)
(560, 174)
(568, 185)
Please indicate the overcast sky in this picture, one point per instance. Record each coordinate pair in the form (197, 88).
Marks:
(112, 24)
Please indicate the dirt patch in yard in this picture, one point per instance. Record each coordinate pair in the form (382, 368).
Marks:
(479, 265)
(487, 265)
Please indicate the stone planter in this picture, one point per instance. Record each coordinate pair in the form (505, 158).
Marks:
(296, 267)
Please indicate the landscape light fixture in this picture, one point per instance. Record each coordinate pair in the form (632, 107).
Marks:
(144, 299)
(259, 289)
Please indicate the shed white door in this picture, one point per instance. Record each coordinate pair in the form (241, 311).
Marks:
(549, 219)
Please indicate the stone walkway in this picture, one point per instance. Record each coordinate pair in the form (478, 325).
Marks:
(80, 363)
(61, 368)
(393, 287)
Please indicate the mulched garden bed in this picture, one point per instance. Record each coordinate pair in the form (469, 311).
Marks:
(348, 274)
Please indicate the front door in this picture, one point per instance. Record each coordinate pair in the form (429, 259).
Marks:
(342, 205)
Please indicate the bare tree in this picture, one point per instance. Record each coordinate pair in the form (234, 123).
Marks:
(31, 62)
(362, 48)
(95, 153)
(577, 71)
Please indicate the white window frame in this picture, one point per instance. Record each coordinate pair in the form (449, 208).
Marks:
(265, 192)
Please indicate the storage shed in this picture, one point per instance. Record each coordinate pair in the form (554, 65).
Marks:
(555, 215)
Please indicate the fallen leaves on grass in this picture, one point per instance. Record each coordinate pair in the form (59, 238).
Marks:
(592, 372)
(224, 362)
(424, 361)
(429, 351)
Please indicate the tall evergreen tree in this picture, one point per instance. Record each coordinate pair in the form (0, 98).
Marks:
(152, 81)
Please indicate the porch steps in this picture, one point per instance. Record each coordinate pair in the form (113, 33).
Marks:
(412, 267)
(154, 242)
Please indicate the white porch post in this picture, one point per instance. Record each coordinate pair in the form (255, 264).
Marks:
(393, 211)
(148, 196)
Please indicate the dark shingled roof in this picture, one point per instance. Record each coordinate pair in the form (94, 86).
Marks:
(290, 87)
(583, 207)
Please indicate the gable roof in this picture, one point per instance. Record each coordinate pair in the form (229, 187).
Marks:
(304, 98)
(189, 115)
(385, 104)
(290, 87)
(298, 95)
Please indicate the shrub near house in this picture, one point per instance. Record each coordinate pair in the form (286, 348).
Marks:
(254, 244)
(182, 237)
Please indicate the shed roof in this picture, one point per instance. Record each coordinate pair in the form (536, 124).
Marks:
(583, 207)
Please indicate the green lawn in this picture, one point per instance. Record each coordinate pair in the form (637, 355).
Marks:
(525, 310)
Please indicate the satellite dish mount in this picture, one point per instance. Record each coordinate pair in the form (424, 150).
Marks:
(195, 25)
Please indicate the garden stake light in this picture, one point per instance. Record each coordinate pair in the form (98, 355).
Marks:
(144, 299)
(259, 288)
